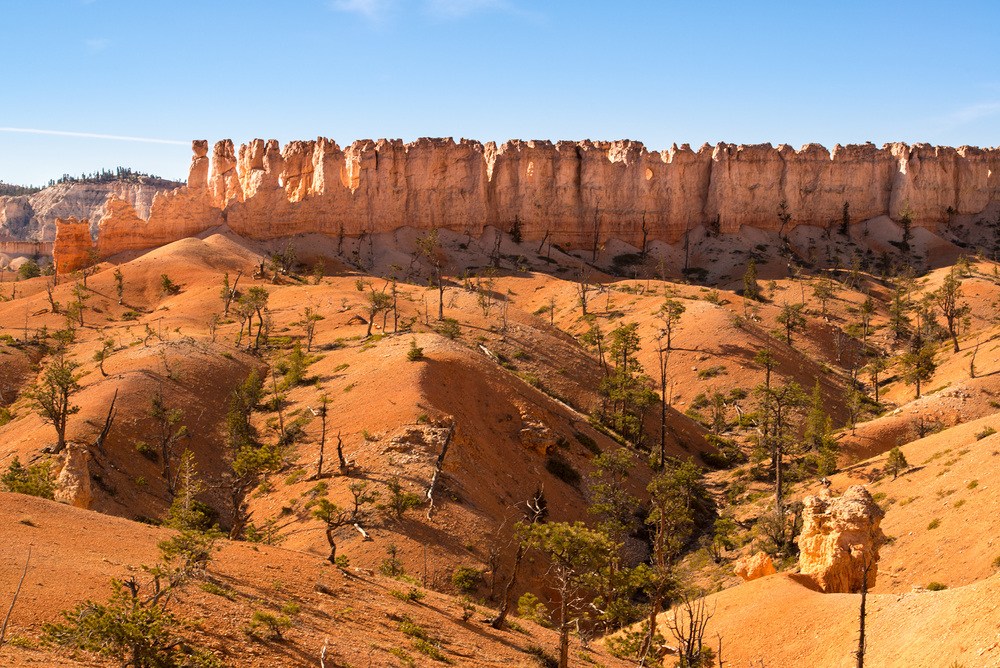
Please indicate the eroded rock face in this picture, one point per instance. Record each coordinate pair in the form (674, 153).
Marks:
(73, 483)
(198, 173)
(755, 566)
(839, 537)
(563, 189)
(73, 244)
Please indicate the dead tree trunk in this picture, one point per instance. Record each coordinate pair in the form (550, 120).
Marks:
(344, 467)
(508, 593)
(3, 629)
(107, 424)
(437, 470)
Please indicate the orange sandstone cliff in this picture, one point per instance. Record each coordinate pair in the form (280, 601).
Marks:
(574, 191)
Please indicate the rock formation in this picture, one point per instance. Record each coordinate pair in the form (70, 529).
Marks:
(577, 192)
(73, 245)
(73, 482)
(755, 566)
(33, 217)
(198, 173)
(839, 538)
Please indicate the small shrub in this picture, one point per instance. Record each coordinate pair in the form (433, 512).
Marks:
(126, 626)
(466, 578)
(989, 431)
(529, 607)
(212, 588)
(414, 595)
(35, 480)
(542, 655)
(935, 523)
(414, 353)
(130, 315)
(391, 567)
(563, 470)
(29, 269)
(468, 609)
(936, 586)
(449, 328)
(403, 657)
(399, 501)
(425, 647)
(274, 624)
(629, 643)
(588, 442)
(167, 286)
(146, 451)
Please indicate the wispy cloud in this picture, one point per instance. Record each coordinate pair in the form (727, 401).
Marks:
(91, 135)
(973, 112)
(98, 44)
(379, 10)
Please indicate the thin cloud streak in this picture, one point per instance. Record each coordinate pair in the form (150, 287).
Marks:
(91, 135)
(974, 112)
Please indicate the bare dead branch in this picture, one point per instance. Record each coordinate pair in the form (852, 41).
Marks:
(3, 629)
(437, 470)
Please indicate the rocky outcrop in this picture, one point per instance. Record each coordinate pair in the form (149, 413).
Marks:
(572, 191)
(198, 172)
(33, 217)
(73, 482)
(73, 246)
(841, 537)
(755, 566)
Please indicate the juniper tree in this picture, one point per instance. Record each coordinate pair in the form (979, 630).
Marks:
(896, 462)
(627, 387)
(613, 503)
(918, 362)
(777, 407)
(574, 552)
(948, 298)
(792, 319)
(51, 396)
(429, 246)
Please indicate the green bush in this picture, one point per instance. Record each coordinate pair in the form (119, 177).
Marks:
(35, 480)
(936, 586)
(274, 624)
(399, 501)
(128, 627)
(588, 442)
(29, 269)
(563, 470)
(449, 328)
(414, 353)
(466, 578)
(529, 607)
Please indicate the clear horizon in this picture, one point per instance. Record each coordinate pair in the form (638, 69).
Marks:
(100, 83)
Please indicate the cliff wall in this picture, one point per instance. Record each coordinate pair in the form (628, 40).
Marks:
(33, 217)
(575, 191)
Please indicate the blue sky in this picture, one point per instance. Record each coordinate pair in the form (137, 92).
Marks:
(655, 71)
